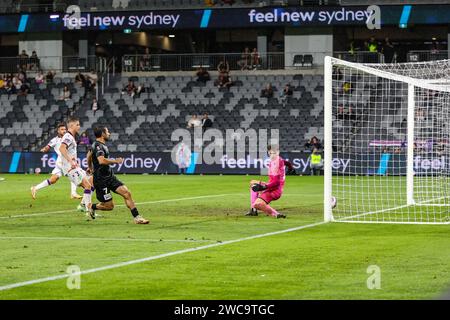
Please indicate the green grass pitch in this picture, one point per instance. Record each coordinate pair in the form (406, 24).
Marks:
(326, 261)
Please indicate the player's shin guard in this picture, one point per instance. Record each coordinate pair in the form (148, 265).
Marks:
(43, 184)
(86, 197)
(73, 188)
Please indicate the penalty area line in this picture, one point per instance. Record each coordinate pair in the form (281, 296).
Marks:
(122, 205)
(160, 256)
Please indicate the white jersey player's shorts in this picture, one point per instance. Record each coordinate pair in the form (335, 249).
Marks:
(76, 175)
(57, 171)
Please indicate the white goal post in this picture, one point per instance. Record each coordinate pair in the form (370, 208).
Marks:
(387, 142)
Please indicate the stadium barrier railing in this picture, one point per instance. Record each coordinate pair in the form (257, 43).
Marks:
(427, 55)
(27, 7)
(54, 63)
(210, 61)
(360, 56)
(189, 62)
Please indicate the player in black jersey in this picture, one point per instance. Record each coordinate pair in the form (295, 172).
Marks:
(104, 179)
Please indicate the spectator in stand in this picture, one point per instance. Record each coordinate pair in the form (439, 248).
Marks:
(351, 114)
(85, 82)
(49, 77)
(145, 61)
(22, 75)
(80, 78)
(194, 122)
(245, 61)
(94, 106)
(420, 115)
(129, 89)
(337, 74)
(93, 78)
(39, 78)
(223, 67)
(203, 75)
(287, 92)
(351, 48)
(341, 112)
(66, 94)
(347, 88)
(256, 59)
(23, 60)
(138, 91)
(34, 61)
(315, 162)
(267, 92)
(84, 142)
(388, 51)
(434, 46)
(314, 142)
(2, 81)
(84, 139)
(17, 83)
(9, 87)
(24, 89)
(206, 122)
(210, 3)
(372, 45)
(224, 80)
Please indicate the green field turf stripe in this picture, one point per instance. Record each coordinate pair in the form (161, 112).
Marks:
(160, 256)
(122, 205)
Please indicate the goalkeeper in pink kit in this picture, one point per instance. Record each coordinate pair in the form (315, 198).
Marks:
(262, 193)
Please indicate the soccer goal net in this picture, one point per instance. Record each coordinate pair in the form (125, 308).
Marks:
(387, 142)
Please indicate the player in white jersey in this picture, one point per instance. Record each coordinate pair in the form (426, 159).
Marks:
(70, 166)
(55, 143)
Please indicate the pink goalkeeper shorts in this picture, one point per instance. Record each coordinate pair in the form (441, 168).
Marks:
(269, 196)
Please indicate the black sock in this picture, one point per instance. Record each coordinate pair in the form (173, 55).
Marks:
(94, 206)
(134, 212)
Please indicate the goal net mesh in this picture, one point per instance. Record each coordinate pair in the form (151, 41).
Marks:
(372, 178)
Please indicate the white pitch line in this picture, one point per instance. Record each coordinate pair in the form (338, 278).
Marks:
(160, 256)
(102, 239)
(122, 205)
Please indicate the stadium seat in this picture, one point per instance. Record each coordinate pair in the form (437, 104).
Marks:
(308, 60)
(298, 60)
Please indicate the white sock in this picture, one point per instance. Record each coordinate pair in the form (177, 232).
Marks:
(86, 197)
(43, 184)
(73, 188)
